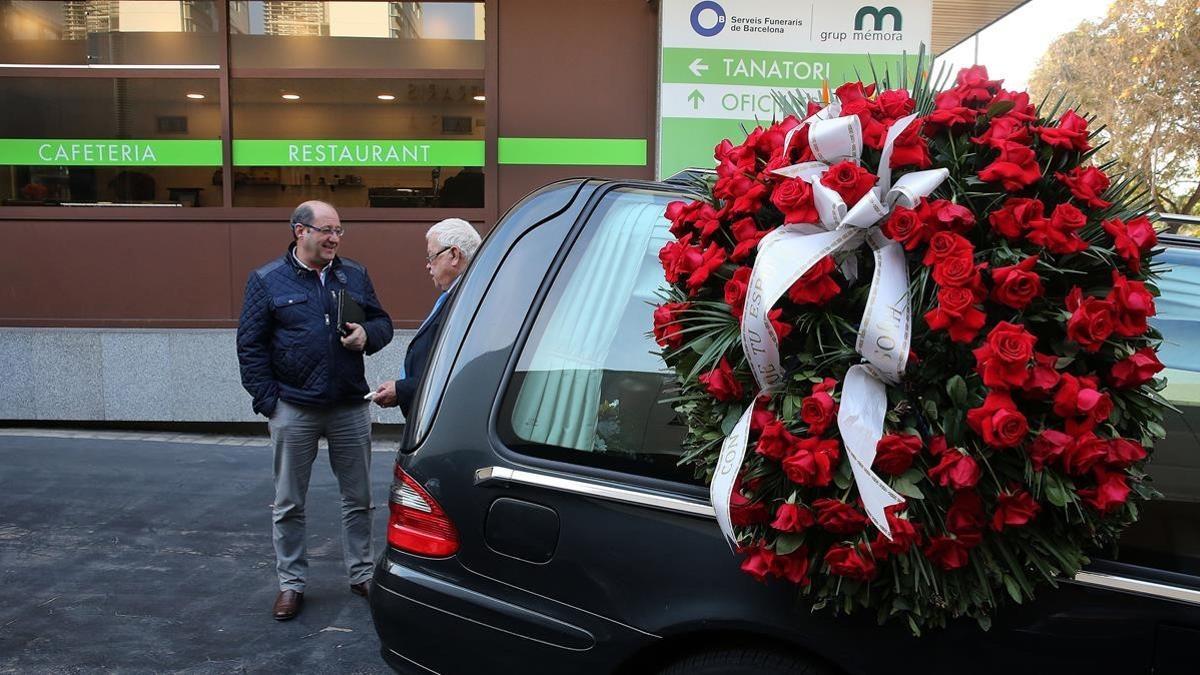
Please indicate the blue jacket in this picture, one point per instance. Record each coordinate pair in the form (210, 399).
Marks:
(416, 358)
(288, 345)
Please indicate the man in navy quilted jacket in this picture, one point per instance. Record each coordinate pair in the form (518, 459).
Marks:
(305, 373)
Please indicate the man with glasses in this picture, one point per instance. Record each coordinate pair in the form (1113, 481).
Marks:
(304, 368)
(449, 247)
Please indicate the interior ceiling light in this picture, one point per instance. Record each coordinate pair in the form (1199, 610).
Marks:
(292, 97)
(386, 97)
(198, 97)
(480, 97)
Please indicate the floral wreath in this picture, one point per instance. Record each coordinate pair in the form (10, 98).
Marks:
(910, 334)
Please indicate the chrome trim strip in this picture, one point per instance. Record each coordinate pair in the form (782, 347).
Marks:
(1139, 586)
(114, 66)
(499, 474)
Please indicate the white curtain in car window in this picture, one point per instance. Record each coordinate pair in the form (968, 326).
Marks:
(559, 398)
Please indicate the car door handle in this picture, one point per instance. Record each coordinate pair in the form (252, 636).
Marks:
(499, 475)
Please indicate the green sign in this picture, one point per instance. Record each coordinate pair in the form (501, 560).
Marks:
(108, 152)
(357, 153)
(573, 151)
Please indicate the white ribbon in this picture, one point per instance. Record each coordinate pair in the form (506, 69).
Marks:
(785, 255)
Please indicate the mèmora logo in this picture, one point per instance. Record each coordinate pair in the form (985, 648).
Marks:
(878, 14)
(698, 10)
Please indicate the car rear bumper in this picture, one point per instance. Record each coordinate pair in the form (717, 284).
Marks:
(427, 623)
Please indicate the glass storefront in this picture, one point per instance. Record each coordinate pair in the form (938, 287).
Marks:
(361, 104)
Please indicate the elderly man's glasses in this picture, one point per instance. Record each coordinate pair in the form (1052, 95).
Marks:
(429, 258)
(325, 231)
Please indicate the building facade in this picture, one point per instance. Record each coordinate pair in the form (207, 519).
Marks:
(151, 153)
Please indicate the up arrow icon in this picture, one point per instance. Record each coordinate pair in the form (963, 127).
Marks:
(696, 98)
(697, 67)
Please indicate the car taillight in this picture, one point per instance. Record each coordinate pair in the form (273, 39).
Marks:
(417, 523)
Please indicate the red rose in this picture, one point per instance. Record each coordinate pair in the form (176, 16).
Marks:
(1070, 134)
(1015, 167)
(1017, 285)
(761, 417)
(771, 140)
(905, 226)
(812, 462)
(895, 103)
(1135, 370)
(735, 291)
(965, 517)
(849, 180)
(998, 421)
(816, 286)
(1123, 453)
(943, 214)
(1017, 216)
(818, 411)
(747, 235)
(794, 198)
(710, 261)
(974, 86)
(1132, 240)
(956, 470)
(782, 328)
(721, 384)
(839, 517)
(945, 245)
(910, 148)
(1004, 129)
(1080, 402)
(668, 332)
(792, 518)
(1043, 377)
(683, 216)
(958, 271)
(1087, 185)
(775, 442)
(847, 561)
(734, 179)
(1085, 451)
(1022, 110)
(750, 201)
(793, 566)
(1110, 492)
(759, 561)
(679, 258)
(743, 511)
(946, 552)
(1132, 303)
(1092, 320)
(894, 453)
(1059, 234)
(1003, 360)
(957, 314)
(1048, 448)
(949, 111)
(904, 536)
(1014, 510)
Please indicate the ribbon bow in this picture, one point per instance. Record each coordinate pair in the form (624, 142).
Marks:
(786, 254)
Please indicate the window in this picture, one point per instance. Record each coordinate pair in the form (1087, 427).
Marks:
(102, 140)
(107, 33)
(589, 386)
(1167, 536)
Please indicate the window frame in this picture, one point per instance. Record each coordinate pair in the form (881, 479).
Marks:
(537, 305)
(225, 73)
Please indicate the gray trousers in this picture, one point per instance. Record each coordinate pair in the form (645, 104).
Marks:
(295, 431)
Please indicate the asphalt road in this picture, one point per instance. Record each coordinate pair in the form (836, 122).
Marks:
(139, 556)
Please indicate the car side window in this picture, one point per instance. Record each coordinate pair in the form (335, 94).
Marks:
(590, 386)
(1167, 534)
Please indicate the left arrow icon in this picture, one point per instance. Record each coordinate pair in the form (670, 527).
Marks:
(697, 66)
(696, 98)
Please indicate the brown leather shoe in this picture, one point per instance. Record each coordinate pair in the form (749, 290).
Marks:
(287, 605)
(362, 588)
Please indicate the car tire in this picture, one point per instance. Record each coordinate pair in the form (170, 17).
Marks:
(745, 661)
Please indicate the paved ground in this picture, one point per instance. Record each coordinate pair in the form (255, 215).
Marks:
(154, 555)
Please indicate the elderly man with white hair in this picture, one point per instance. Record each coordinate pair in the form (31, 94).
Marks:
(449, 246)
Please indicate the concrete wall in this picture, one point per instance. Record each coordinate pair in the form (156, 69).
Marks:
(114, 374)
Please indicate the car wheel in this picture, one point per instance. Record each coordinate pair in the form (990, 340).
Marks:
(745, 661)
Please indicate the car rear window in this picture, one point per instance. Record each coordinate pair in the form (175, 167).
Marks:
(590, 386)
